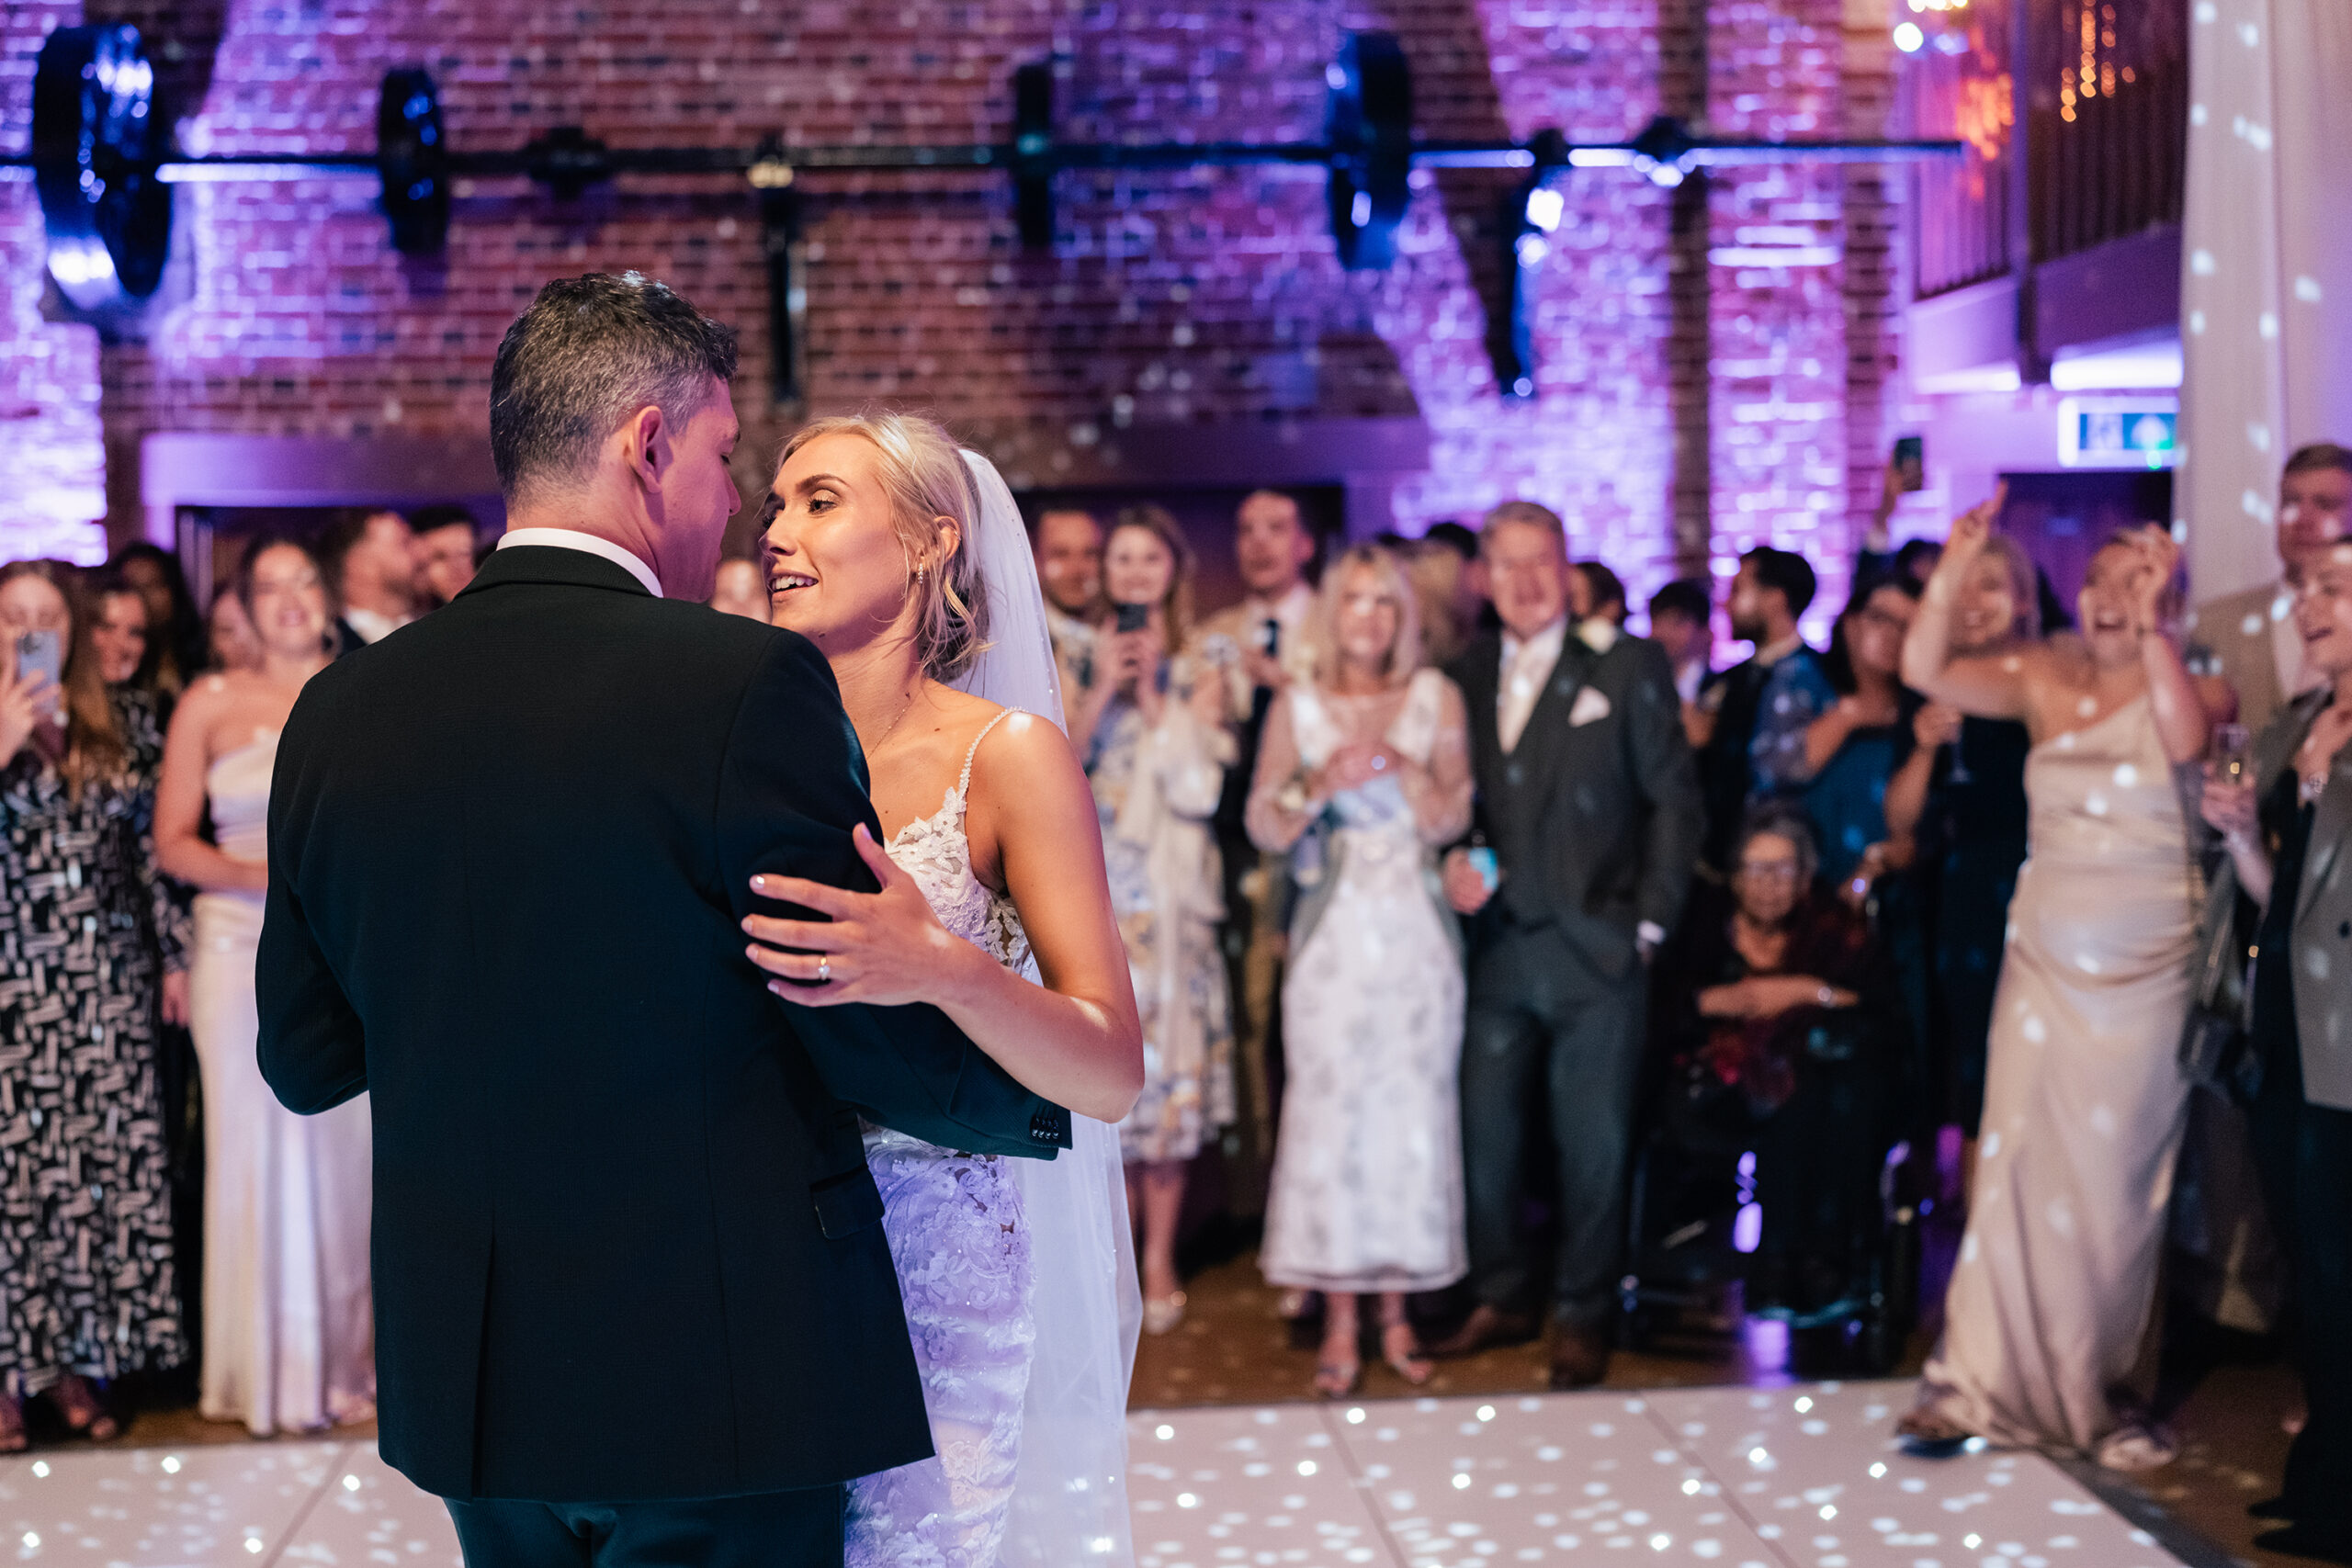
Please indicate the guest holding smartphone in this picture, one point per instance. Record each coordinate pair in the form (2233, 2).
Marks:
(1151, 730)
(94, 962)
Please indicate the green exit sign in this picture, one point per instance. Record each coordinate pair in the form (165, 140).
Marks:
(2119, 432)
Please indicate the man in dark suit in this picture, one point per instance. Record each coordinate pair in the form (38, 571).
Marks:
(1591, 806)
(1773, 589)
(633, 1301)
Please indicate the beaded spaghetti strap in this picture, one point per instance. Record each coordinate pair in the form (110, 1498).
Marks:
(963, 781)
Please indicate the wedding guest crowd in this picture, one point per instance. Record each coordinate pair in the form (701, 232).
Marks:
(1816, 861)
(1447, 885)
(136, 742)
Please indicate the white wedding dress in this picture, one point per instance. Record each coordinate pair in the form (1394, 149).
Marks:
(1017, 1275)
(289, 1328)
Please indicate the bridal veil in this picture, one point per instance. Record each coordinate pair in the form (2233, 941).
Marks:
(1069, 1498)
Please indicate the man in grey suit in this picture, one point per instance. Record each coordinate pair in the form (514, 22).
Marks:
(1590, 803)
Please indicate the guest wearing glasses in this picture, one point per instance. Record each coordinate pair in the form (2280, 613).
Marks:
(1852, 752)
(1779, 1016)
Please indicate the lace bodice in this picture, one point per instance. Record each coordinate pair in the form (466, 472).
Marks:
(934, 850)
(962, 1251)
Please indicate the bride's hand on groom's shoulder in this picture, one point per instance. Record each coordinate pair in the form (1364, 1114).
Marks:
(886, 948)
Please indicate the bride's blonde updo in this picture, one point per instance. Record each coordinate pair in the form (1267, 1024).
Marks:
(924, 474)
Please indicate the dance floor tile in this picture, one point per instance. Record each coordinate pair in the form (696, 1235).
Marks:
(1474, 1482)
(1817, 1468)
(1229, 1488)
(370, 1513)
(194, 1507)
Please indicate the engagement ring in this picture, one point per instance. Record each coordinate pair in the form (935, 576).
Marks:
(824, 971)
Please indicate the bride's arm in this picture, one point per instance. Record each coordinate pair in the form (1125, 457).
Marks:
(1076, 1040)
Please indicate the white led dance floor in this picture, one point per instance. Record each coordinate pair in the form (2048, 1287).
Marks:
(1796, 1477)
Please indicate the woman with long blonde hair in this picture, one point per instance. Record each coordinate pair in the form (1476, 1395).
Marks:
(902, 558)
(1361, 774)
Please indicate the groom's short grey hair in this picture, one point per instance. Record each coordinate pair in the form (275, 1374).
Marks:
(587, 355)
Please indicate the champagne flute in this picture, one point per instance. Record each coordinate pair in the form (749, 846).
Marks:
(2233, 755)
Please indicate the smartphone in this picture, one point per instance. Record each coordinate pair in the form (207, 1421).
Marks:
(42, 653)
(1133, 617)
(1911, 462)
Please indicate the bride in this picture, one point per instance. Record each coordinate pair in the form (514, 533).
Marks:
(903, 560)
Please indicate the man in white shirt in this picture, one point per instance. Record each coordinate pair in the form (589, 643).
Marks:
(1263, 644)
(1263, 637)
(1589, 810)
(2247, 639)
(1068, 547)
(373, 568)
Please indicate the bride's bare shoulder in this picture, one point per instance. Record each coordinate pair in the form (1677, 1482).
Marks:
(1024, 761)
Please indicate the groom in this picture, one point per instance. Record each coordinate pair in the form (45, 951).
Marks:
(633, 1300)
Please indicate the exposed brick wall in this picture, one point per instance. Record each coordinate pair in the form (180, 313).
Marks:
(1780, 366)
(1171, 297)
(51, 450)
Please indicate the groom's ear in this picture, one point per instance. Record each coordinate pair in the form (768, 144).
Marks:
(645, 446)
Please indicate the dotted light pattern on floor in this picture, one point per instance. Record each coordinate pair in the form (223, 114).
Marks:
(1801, 1477)
(1716, 1478)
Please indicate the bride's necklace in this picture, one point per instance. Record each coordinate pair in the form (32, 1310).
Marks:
(892, 727)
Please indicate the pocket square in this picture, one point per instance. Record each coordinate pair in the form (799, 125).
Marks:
(1591, 704)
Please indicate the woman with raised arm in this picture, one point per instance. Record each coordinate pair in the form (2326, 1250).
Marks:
(289, 1340)
(2083, 1099)
(904, 561)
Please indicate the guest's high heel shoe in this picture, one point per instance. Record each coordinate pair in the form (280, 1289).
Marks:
(85, 1416)
(1401, 1348)
(1338, 1379)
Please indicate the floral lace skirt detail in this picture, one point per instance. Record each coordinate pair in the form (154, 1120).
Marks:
(962, 1252)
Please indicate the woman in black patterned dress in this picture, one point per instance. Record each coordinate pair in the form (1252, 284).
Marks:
(91, 947)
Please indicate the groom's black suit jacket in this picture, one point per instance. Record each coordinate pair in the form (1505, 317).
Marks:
(625, 1243)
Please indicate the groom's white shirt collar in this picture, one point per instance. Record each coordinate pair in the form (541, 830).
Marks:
(573, 539)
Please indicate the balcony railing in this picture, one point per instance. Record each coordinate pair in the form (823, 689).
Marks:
(2101, 88)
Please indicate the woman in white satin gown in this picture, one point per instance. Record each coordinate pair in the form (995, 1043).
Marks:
(2084, 1098)
(289, 1328)
(905, 562)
